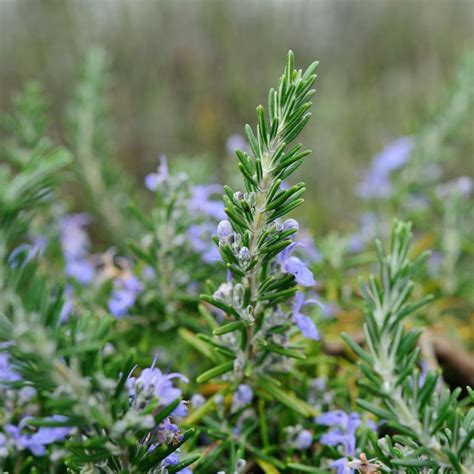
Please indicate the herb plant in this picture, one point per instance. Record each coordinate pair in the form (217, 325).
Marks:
(173, 332)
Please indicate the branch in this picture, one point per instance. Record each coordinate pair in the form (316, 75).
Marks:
(457, 362)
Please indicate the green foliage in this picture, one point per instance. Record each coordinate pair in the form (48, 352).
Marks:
(107, 190)
(268, 391)
(434, 430)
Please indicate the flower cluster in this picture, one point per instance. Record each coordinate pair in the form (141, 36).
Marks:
(342, 433)
(153, 388)
(37, 441)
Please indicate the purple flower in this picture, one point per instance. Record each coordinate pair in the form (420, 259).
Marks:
(75, 244)
(172, 460)
(304, 439)
(37, 442)
(295, 266)
(200, 238)
(308, 248)
(152, 382)
(305, 324)
(26, 252)
(393, 156)
(242, 397)
(376, 183)
(81, 270)
(343, 430)
(424, 366)
(305, 243)
(167, 432)
(124, 294)
(462, 186)
(6, 373)
(236, 142)
(332, 418)
(367, 232)
(3, 446)
(25, 394)
(342, 466)
(197, 401)
(74, 239)
(201, 202)
(153, 180)
(67, 305)
(148, 273)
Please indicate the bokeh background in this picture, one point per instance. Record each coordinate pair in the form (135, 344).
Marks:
(186, 75)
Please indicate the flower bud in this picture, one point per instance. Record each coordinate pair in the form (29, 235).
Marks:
(224, 229)
(291, 224)
(244, 254)
(224, 292)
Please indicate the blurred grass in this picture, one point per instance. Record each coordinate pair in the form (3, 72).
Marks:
(187, 74)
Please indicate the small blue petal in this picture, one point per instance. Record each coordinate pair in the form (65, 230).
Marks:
(302, 274)
(307, 327)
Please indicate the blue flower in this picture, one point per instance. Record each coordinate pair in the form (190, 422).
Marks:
(150, 385)
(462, 186)
(6, 373)
(332, 418)
(81, 270)
(201, 202)
(424, 372)
(75, 244)
(153, 180)
(304, 439)
(167, 432)
(153, 383)
(124, 294)
(197, 401)
(305, 324)
(26, 252)
(342, 466)
(3, 446)
(376, 183)
(236, 142)
(242, 397)
(172, 460)
(308, 248)
(343, 430)
(37, 442)
(200, 238)
(295, 266)
(74, 239)
(367, 232)
(67, 304)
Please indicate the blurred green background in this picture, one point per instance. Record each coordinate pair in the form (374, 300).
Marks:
(188, 74)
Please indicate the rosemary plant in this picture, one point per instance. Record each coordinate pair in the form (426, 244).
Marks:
(434, 430)
(176, 247)
(261, 303)
(105, 190)
(76, 317)
(67, 397)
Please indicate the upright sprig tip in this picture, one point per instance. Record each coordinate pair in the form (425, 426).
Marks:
(256, 246)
